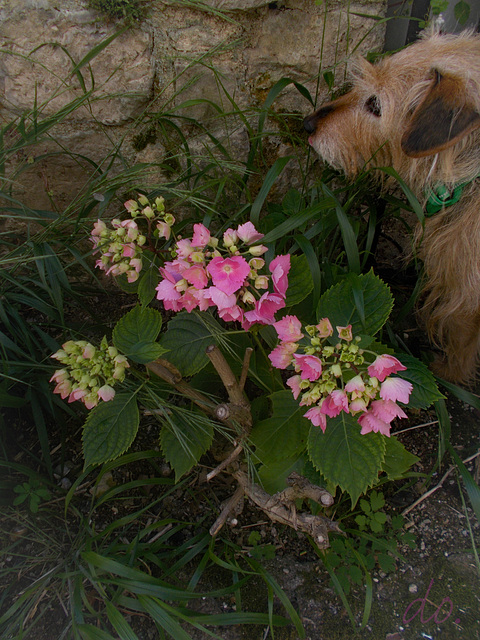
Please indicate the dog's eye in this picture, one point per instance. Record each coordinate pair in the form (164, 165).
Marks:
(372, 105)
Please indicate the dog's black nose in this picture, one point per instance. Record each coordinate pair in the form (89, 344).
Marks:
(309, 124)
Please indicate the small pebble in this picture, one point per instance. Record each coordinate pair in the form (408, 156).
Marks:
(413, 588)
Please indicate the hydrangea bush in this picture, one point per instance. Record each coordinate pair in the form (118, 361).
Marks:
(334, 392)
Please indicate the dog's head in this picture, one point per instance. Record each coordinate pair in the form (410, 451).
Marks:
(399, 110)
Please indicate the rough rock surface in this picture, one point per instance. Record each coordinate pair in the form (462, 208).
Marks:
(221, 57)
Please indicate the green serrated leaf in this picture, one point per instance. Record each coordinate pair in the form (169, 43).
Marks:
(284, 434)
(377, 501)
(364, 302)
(356, 574)
(273, 476)
(144, 352)
(135, 331)
(397, 459)
(345, 457)
(147, 285)
(300, 281)
(184, 441)
(380, 517)
(110, 429)
(386, 562)
(365, 506)
(425, 390)
(186, 341)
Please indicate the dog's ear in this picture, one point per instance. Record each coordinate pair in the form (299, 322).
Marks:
(443, 118)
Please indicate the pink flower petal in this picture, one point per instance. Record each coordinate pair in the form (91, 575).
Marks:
(279, 268)
(396, 390)
(325, 329)
(201, 236)
(370, 422)
(289, 329)
(356, 384)
(166, 291)
(106, 393)
(248, 234)
(310, 367)
(383, 366)
(317, 418)
(281, 357)
(219, 298)
(196, 276)
(387, 410)
(228, 274)
(334, 403)
(294, 384)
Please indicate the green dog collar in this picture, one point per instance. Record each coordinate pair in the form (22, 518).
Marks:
(441, 197)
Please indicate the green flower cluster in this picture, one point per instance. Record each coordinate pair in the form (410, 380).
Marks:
(89, 372)
(121, 248)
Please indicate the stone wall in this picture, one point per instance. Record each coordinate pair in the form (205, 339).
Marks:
(186, 59)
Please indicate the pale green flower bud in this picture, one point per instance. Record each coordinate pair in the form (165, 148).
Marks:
(248, 298)
(256, 263)
(112, 352)
(160, 203)
(258, 250)
(143, 200)
(197, 257)
(261, 282)
(336, 370)
(148, 212)
(141, 240)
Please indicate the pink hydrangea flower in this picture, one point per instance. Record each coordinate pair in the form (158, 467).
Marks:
(281, 356)
(279, 268)
(289, 329)
(369, 422)
(166, 291)
(334, 403)
(248, 234)
(317, 418)
(387, 410)
(231, 314)
(383, 366)
(228, 274)
(345, 333)
(396, 390)
(77, 394)
(219, 298)
(64, 388)
(230, 238)
(164, 230)
(359, 405)
(201, 236)
(355, 386)
(310, 367)
(196, 276)
(265, 310)
(184, 248)
(106, 393)
(325, 329)
(294, 384)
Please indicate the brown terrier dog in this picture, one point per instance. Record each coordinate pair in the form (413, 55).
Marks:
(418, 111)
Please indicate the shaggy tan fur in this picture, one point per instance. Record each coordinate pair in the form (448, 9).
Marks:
(418, 111)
